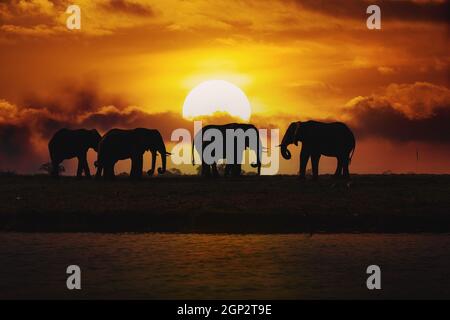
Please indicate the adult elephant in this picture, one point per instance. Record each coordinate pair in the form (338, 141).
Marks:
(318, 138)
(120, 144)
(245, 136)
(67, 144)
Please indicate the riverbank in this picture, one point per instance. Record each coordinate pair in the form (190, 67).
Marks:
(279, 204)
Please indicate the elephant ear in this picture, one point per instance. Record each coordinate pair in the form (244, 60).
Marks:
(297, 134)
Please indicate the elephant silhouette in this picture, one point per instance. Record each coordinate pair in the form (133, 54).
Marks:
(67, 144)
(120, 144)
(242, 132)
(318, 138)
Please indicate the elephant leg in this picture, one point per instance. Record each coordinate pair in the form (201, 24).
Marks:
(134, 171)
(98, 175)
(106, 172)
(55, 168)
(237, 168)
(315, 158)
(80, 167)
(138, 166)
(85, 165)
(152, 170)
(304, 158)
(338, 172)
(227, 170)
(133, 168)
(345, 165)
(215, 172)
(206, 172)
(109, 171)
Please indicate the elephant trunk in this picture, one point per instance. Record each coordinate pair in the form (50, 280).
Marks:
(287, 140)
(285, 152)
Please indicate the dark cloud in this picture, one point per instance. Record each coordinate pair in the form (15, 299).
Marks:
(387, 123)
(26, 129)
(16, 148)
(430, 11)
(73, 99)
(111, 117)
(13, 137)
(403, 113)
(128, 7)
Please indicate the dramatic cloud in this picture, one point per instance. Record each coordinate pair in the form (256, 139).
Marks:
(128, 7)
(43, 18)
(26, 129)
(75, 106)
(29, 14)
(110, 117)
(409, 10)
(21, 132)
(407, 112)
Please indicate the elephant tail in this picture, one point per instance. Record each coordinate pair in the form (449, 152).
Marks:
(192, 152)
(352, 154)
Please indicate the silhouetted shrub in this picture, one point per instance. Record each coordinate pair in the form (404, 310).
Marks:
(47, 167)
(8, 173)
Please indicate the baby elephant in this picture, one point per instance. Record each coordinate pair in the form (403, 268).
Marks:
(68, 144)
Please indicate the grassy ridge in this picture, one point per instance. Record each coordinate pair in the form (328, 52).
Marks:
(279, 204)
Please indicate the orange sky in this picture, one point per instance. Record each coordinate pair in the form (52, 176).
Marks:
(133, 63)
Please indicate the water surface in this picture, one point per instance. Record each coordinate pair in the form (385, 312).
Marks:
(194, 266)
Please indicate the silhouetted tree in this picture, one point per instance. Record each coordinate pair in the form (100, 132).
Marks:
(47, 167)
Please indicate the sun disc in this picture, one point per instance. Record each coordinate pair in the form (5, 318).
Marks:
(214, 96)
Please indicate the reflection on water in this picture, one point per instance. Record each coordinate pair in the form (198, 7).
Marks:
(173, 266)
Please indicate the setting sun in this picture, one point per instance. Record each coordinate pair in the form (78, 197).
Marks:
(214, 96)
